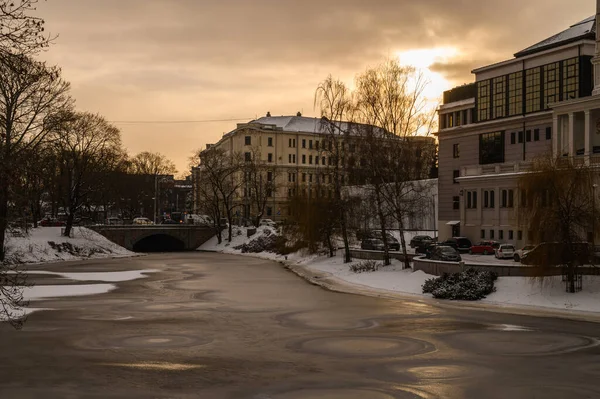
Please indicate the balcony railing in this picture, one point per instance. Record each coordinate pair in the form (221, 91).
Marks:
(525, 166)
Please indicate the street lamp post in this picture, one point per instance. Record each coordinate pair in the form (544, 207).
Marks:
(594, 186)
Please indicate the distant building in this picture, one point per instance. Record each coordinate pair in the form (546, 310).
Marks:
(295, 149)
(539, 102)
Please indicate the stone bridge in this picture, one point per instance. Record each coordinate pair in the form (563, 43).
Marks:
(157, 238)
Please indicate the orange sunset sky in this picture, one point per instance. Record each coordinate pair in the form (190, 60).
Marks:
(199, 60)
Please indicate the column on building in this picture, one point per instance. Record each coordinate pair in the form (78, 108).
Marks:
(571, 134)
(555, 135)
(587, 136)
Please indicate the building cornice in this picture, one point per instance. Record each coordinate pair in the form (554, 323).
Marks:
(496, 124)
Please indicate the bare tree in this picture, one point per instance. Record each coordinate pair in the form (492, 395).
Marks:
(89, 149)
(334, 101)
(31, 95)
(558, 206)
(391, 97)
(220, 177)
(261, 183)
(20, 32)
(152, 163)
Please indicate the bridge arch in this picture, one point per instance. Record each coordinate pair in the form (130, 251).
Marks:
(159, 242)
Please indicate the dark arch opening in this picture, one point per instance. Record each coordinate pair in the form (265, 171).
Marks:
(159, 243)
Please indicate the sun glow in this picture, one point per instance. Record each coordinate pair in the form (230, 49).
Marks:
(423, 59)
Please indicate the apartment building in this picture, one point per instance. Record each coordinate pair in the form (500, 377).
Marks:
(541, 101)
(296, 153)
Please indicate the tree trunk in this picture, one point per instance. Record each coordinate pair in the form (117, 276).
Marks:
(3, 214)
(386, 248)
(229, 221)
(347, 256)
(403, 242)
(69, 224)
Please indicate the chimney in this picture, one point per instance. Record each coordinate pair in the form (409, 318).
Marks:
(596, 59)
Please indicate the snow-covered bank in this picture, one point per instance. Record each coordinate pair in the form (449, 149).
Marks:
(510, 291)
(45, 244)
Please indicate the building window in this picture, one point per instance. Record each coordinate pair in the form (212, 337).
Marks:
(528, 136)
(304, 177)
(456, 150)
(499, 97)
(292, 143)
(455, 175)
(247, 156)
(269, 192)
(510, 234)
(310, 144)
(551, 83)
(458, 119)
(482, 234)
(491, 148)
(323, 161)
(270, 141)
(303, 143)
(504, 199)
(570, 79)
(303, 159)
(501, 234)
(536, 134)
(532, 90)
(310, 177)
(465, 117)
(317, 144)
(548, 133)
(269, 176)
(455, 202)
(269, 157)
(513, 138)
(511, 198)
(248, 140)
(316, 159)
(492, 199)
(486, 199)
(523, 198)
(471, 199)
(451, 120)
(491, 234)
(289, 192)
(519, 235)
(310, 159)
(515, 93)
(289, 158)
(483, 100)
(269, 211)
(520, 137)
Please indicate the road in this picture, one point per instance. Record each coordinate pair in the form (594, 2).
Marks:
(219, 326)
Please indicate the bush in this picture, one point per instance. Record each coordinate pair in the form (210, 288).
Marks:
(365, 266)
(266, 242)
(470, 285)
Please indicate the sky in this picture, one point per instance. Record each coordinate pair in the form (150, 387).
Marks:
(231, 61)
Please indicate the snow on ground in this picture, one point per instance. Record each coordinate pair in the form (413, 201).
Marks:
(38, 292)
(109, 277)
(45, 244)
(511, 291)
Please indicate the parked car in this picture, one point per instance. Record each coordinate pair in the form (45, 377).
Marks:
(461, 244)
(520, 252)
(505, 251)
(373, 244)
(51, 222)
(114, 221)
(445, 253)
(268, 222)
(144, 221)
(169, 221)
(393, 243)
(418, 240)
(557, 253)
(484, 247)
(426, 249)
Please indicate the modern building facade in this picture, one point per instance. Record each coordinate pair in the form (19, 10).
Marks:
(542, 101)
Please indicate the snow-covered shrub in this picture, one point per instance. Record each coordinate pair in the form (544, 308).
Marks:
(365, 266)
(265, 242)
(470, 285)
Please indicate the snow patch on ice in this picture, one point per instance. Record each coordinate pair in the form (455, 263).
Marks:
(39, 292)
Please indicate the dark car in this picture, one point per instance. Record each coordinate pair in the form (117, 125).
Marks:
(461, 244)
(392, 242)
(169, 221)
(445, 253)
(419, 240)
(51, 222)
(373, 244)
(426, 249)
(557, 253)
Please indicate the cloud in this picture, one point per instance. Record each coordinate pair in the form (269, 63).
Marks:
(191, 59)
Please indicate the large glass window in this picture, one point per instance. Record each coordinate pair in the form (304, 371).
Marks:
(500, 97)
(515, 93)
(491, 148)
(551, 83)
(483, 100)
(570, 80)
(532, 90)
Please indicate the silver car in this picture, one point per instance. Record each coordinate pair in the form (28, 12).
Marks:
(505, 251)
